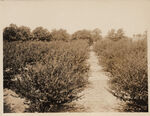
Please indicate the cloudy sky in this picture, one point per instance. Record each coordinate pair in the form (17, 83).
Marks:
(131, 15)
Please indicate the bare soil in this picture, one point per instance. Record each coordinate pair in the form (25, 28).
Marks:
(13, 103)
(96, 97)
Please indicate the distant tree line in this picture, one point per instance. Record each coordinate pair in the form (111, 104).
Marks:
(23, 33)
(116, 35)
(140, 36)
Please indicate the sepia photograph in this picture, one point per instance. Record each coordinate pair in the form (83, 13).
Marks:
(75, 56)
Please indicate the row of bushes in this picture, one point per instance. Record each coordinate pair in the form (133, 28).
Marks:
(23, 33)
(126, 60)
(48, 74)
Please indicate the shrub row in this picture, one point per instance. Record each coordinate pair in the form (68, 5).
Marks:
(48, 74)
(126, 60)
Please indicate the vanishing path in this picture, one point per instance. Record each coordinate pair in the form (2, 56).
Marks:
(96, 98)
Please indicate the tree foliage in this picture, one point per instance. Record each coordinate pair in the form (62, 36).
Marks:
(24, 33)
(10, 33)
(41, 34)
(60, 34)
(96, 34)
(83, 34)
(15, 33)
(115, 36)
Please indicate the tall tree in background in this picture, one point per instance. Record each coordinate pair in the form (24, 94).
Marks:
(10, 33)
(15, 33)
(83, 34)
(113, 35)
(23, 33)
(41, 33)
(60, 34)
(96, 34)
(119, 34)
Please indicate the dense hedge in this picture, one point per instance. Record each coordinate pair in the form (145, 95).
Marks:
(126, 60)
(48, 74)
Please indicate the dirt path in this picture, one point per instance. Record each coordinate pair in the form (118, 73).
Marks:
(96, 98)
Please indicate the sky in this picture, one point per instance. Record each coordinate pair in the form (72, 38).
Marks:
(131, 15)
